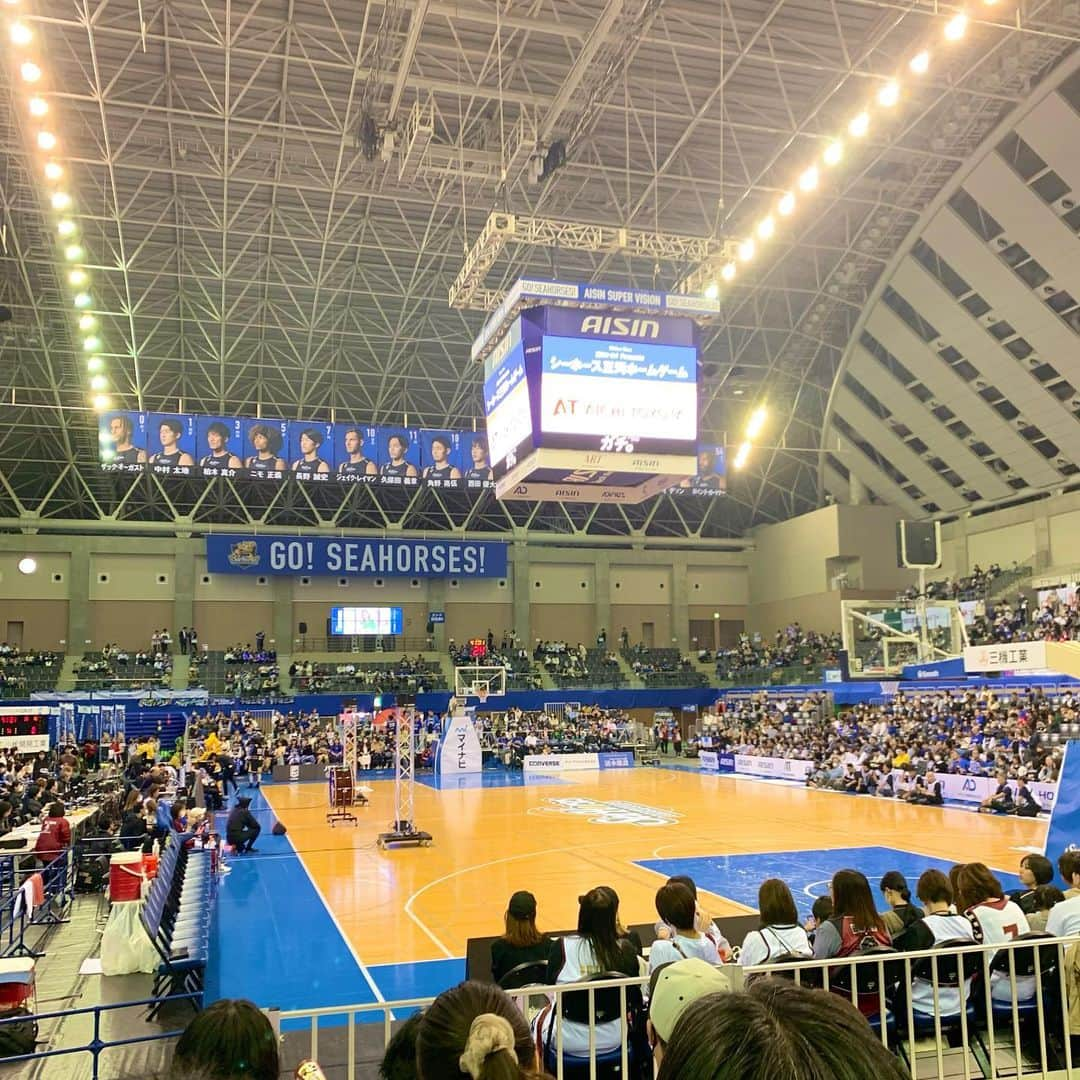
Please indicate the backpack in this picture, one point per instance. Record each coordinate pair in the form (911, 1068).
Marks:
(18, 1037)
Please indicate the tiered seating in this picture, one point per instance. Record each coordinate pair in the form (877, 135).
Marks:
(176, 916)
(598, 668)
(219, 673)
(386, 677)
(23, 673)
(663, 667)
(122, 670)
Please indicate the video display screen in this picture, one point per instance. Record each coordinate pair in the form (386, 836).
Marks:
(507, 402)
(356, 621)
(711, 476)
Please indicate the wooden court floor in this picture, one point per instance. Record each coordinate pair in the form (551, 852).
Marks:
(558, 839)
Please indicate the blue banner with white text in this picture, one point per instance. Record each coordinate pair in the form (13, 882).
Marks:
(355, 557)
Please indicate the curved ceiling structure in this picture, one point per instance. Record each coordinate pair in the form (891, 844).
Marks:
(961, 385)
(267, 230)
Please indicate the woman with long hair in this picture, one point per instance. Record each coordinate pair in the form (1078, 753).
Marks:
(474, 1030)
(780, 933)
(521, 942)
(229, 1040)
(855, 923)
(595, 949)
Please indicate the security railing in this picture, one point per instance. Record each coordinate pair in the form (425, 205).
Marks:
(1011, 1014)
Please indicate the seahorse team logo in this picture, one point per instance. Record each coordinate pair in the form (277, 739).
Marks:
(601, 812)
(244, 553)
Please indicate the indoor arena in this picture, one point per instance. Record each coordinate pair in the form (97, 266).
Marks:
(387, 695)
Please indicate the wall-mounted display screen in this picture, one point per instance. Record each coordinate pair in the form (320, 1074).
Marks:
(358, 621)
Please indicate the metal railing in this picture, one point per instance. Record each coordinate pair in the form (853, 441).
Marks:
(1025, 1034)
(366, 644)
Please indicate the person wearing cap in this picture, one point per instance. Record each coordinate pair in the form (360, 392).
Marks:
(672, 988)
(241, 828)
(521, 942)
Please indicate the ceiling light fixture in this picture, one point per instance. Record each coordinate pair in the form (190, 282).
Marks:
(859, 125)
(65, 227)
(77, 277)
(712, 291)
(747, 249)
(73, 253)
(99, 382)
(101, 402)
(833, 153)
(920, 63)
(756, 423)
(786, 205)
(87, 322)
(956, 27)
(741, 455)
(809, 179)
(889, 94)
(728, 271)
(21, 34)
(766, 227)
(30, 71)
(38, 106)
(46, 140)
(92, 343)
(60, 200)
(83, 300)
(95, 363)
(53, 171)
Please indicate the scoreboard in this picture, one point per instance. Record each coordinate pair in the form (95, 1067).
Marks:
(24, 730)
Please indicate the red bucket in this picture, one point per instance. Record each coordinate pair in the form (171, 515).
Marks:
(125, 876)
(149, 865)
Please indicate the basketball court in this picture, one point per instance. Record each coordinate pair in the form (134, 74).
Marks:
(326, 918)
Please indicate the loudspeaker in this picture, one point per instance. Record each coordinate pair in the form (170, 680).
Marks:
(303, 628)
(430, 628)
(918, 545)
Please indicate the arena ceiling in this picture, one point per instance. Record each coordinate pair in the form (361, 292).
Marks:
(252, 248)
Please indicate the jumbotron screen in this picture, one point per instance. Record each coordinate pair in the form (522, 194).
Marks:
(355, 621)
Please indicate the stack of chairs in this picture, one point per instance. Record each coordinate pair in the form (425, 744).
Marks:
(176, 917)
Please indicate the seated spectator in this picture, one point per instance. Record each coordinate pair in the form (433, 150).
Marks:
(855, 924)
(474, 1030)
(1046, 898)
(979, 894)
(820, 911)
(675, 906)
(229, 1040)
(780, 933)
(703, 923)
(940, 924)
(902, 913)
(672, 988)
(1026, 805)
(1035, 870)
(594, 950)
(1063, 919)
(776, 1031)
(55, 836)
(1069, 869)
(521, 942)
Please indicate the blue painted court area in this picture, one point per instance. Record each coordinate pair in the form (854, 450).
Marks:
(273, 939)
(489, 778)
(807, 873)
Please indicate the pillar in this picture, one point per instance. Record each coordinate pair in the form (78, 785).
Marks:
(602, 602)
(857, 494)
(519, 568)
(183, 588)
(680, 603)
(78, 614)
(1042, 544)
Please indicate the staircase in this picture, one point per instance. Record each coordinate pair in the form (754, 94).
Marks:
(633, 680)
(66, 681)
(181, 668)
(1011, 582)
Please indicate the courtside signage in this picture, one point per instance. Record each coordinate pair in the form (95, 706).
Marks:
(342, 557)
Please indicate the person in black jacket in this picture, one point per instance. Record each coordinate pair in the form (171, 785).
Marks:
(522, 942)
(241, 829)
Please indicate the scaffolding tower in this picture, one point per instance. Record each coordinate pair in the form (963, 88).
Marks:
(403, 829)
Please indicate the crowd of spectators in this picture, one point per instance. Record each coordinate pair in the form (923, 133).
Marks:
(575, 730)
(917, 735)
(507, 653)
(1056, 619)
(792, 647)
(113, 665)
(407, 675)
(974, 586)
(22, 672)
(662, 667)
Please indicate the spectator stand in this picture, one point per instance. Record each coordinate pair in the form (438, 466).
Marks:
(25, 673)
(479, 681)
(881, 638)
(662, 667)
(113, 668)
(521, 672)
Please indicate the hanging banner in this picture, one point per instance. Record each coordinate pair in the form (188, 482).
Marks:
(360, 557)
(459, 751)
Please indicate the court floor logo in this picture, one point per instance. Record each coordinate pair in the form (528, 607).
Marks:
(602, 812)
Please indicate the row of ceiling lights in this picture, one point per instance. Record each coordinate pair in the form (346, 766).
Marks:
(888, 97)
(28, 62)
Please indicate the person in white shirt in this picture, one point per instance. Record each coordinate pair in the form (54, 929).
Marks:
(703, 922)
(979, 893)
(1064, 918)
(676, 908)
(938, 925)
(780, 933)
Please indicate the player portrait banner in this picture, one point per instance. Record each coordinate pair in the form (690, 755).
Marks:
(358, 557)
